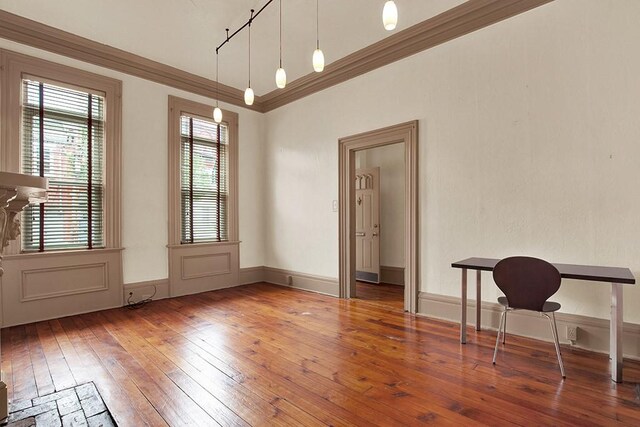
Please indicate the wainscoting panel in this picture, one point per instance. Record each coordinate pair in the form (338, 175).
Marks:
(593, 334)
(43, 283)
(43, 286)
(202, 267)
(196, 266)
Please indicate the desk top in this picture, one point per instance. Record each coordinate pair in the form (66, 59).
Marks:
(567, 271)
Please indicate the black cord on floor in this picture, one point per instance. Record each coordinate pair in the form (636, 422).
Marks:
(139, 304)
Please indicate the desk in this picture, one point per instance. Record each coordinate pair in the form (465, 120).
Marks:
(614, 275)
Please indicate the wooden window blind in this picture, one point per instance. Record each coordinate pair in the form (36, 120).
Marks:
(63, 140)
(204, 188)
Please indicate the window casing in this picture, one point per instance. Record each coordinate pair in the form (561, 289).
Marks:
(63, 140)
(19, 111)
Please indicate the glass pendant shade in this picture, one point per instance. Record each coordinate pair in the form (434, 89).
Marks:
(318, 60)
(217, 115)
(248, 96)
(390, 15)
(281, 78)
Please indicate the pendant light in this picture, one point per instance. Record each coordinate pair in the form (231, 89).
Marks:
(318, 56)
(390, 15)
(281, 75)
(217, 112)
(248, 93)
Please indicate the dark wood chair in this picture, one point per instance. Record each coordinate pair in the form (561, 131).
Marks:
(527, 284)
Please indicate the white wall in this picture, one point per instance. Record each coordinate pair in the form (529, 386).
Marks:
(144, 172)
(528, 140)
(390, 160)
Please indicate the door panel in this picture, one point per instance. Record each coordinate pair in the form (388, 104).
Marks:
(367, 185)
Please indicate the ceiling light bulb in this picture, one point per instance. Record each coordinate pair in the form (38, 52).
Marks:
(318, 60)
(217, 115)
(281, 78)
(390, 15)
(248, 96)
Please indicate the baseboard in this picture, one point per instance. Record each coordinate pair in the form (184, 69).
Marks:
(251, 275)
(392, 275)
(308, 282)
(142, 290)
(593, 334)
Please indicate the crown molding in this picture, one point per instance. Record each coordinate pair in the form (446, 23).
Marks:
(453, 23)
(26, 31)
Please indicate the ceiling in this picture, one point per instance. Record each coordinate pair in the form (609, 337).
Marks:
(185, 33)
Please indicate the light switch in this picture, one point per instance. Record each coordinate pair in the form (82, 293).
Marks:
(334, 206)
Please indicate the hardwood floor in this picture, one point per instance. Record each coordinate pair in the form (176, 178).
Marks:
(381, 293)
(263, 354)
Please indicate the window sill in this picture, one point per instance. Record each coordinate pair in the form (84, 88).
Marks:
(49, 254)
(205, 244)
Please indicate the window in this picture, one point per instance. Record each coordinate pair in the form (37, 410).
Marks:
(203, 180)
(64, 124)
(203, 250)
(203, 164)
(63, 140)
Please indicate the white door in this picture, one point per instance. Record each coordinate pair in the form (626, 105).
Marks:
(368, 225)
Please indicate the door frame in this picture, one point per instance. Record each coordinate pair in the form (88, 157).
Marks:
(406, 133)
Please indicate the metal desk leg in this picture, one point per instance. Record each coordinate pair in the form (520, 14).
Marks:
(615, 333)
(478, 300)
(463, 311)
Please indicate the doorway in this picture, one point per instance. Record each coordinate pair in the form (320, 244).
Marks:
(406, 135)
(379, 204)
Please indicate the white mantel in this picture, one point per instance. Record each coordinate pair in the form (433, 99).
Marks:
(16, 192)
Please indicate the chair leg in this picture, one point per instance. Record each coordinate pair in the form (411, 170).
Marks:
(554, 331)
(495, 352)
(504, 328)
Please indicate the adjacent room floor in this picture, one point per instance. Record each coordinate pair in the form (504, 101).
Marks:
(381, 293)
(263, 354)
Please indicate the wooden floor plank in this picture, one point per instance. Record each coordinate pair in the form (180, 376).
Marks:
(268, 355)
(60, 373)
(43, 378)
(24, 381)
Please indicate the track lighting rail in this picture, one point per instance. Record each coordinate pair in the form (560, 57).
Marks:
(246, 24)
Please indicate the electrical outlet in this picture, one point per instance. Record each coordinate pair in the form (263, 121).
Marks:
(289, 280)
(138, 294)
(572, 333)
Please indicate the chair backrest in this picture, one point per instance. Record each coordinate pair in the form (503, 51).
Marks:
(526, 282)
